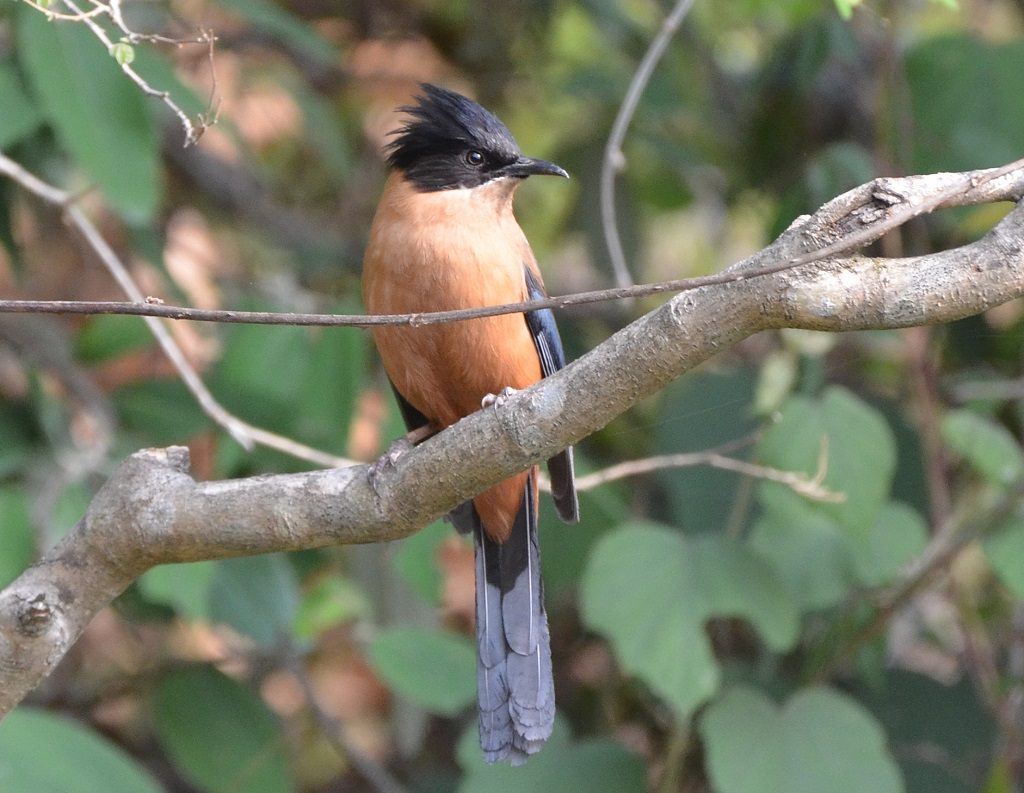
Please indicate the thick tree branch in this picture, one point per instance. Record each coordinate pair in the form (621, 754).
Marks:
(152, 512)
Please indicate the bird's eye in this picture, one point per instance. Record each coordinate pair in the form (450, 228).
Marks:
(474, 158)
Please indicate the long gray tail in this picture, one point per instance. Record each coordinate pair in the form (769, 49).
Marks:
(515, 689)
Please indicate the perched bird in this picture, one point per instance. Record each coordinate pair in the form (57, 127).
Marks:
(444, 237)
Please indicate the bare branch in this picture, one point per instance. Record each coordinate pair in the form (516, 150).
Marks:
(336, 734)
(809, 487)
(614, 159)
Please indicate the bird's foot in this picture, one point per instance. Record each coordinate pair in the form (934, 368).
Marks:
(497, 400)
(398, 447)
(388, 460)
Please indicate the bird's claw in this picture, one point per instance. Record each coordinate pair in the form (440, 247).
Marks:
(497, 400)
(398, 447)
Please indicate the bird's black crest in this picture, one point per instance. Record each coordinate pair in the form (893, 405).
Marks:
(450, 142)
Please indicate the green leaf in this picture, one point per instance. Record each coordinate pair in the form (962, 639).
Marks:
(698, 413)
(691, 581)
(862, 457)
(16, 444)
(987, 446)
(44, 753)
(433, 669)
(845, 7)
(335, 363)
(107, 336)
(775, 381)
(257, 596)
(250, 351)
(821, 560)
(965, 92)
(100, 116)
(17, 539)
(416, 560)
(162, 411)
(563, 766)
(123, 53)
(898, 534)
(1004, 548)
(219, 734)
(820, 740)
(861, 452)
(318, 374)
(290, 29)
(334, 599)
(806, 547)
(183, 587)
(564, 553)
(822, 549)
(20, 116)
(158, 70)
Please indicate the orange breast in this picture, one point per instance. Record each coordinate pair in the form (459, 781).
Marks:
(446, 250)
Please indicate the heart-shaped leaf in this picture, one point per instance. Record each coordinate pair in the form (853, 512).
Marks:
(861, 452)
(650, 590)
(820, 740)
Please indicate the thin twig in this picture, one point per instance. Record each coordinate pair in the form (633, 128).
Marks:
(193, 130)
(33, 183)
(809, 487)
(614, 160)
(994, 390)
(334, 730)
(80, 16)
(679, 743)
(244, 433)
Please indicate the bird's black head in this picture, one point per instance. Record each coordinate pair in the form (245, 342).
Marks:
(453, 142)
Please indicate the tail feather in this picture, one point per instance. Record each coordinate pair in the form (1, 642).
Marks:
(515, 686)
(562, 474)
(492, 648)
(496, 730)
(522, 603)
(532, 702)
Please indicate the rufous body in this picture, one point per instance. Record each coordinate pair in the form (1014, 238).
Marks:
(444, 250)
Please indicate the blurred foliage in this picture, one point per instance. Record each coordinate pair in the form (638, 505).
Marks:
(710, 631)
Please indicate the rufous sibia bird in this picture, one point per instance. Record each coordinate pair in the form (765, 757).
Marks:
(444, 237)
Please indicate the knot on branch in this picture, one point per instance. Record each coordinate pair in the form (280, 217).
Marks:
(37, 635)
(35, 616)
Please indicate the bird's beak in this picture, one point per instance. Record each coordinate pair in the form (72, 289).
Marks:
(528, 166)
